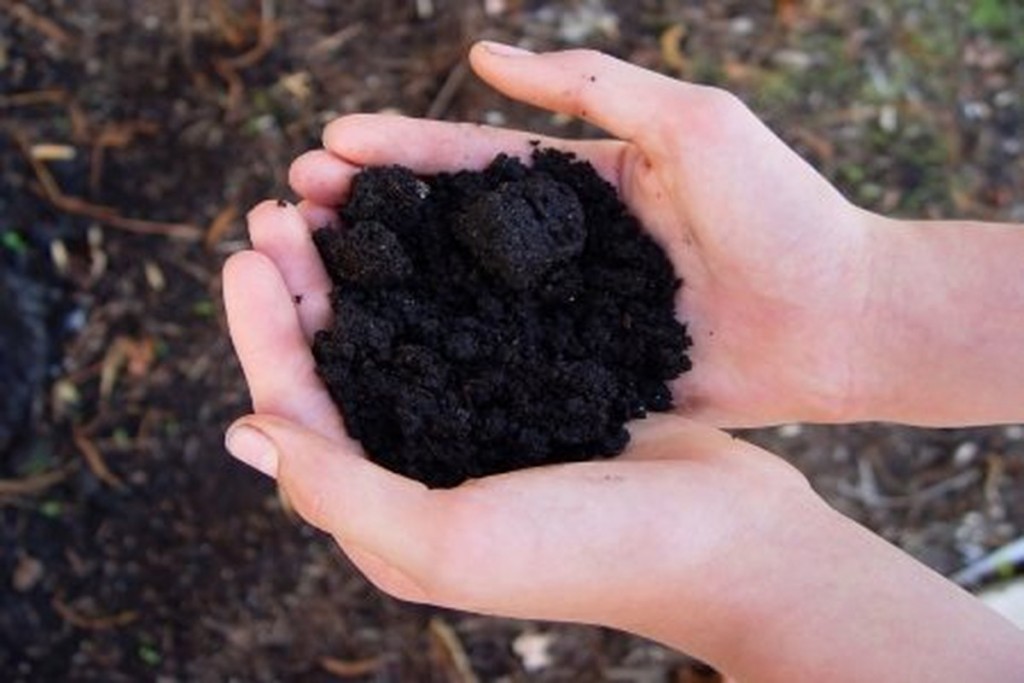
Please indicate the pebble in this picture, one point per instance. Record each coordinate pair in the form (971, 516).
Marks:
(742, 26)
(27, 573)
(534, 650)
(965, 454)
(888, 118)
(790, 431)
(796, 60)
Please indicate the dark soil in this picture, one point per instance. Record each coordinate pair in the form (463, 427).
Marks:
(23, 337)
(495, 320)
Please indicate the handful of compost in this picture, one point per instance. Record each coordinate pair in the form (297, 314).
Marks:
(494, 320)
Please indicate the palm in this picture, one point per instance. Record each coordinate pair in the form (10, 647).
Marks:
(769, 257)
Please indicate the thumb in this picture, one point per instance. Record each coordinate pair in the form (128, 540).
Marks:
(370, 511)
(613, 94)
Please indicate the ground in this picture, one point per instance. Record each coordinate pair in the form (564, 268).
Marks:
(133, 135)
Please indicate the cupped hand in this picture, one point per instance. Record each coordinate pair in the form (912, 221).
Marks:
(691, 537)
(661, 542)
(648, 542)
(775, 261)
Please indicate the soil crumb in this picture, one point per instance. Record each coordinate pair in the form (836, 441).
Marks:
(494, 320)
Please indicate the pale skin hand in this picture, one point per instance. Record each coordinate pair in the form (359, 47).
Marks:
(693, 538)
(772, 256)
(946, 315)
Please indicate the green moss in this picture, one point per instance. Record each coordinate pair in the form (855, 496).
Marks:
(13, 242)
(149, 654)
(51, 509)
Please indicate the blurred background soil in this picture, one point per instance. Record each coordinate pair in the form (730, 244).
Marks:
(134, 134)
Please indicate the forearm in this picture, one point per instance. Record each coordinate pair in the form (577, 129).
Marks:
(943, 331)
(829, 601)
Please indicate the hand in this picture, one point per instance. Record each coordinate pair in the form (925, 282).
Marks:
(646, 542)
(695, 539)
(691, 537)
(564, 542)
(774, 259)
(649, 542)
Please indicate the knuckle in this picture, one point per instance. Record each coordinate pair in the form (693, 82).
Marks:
(335, 129)
(585, 56)
(707, 117)
(722, 105)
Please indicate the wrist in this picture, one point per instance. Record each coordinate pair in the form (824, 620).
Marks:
(938, 340)
(718, 610)
(828, 600)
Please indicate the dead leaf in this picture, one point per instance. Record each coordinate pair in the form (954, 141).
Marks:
(671, 42)
(220, 225)
(787, 12)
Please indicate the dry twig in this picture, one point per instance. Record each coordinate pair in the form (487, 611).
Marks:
(185, 13)
(90, 623)
(94, 459)
(220, 225)
(228, 67)
(33, 98)
(451, 648)
(37, 483)
(335, 41)
(104, 214)
(450, 88)
(36, 22)
(866, 490)
(114, 135)
(344, 668)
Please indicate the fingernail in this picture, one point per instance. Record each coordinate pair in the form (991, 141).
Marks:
(252, 447)
(504, 50)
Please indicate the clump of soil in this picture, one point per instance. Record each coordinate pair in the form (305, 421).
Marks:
(490, 321)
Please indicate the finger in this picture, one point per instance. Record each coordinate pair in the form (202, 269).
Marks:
(384, 521)
(317, 215)
(322, 177)
(280, 232)
(475, 546)
(617, 96)
(437, 146)
(273, 351)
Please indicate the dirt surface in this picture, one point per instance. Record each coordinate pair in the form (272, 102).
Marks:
(133, 135)
(488, 321)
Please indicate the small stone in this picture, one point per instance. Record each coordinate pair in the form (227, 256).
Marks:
(533, 650)
(888, 118)
(796, 60)
(965, 454)
(742, 26)
(790, 431)
(27, 573)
